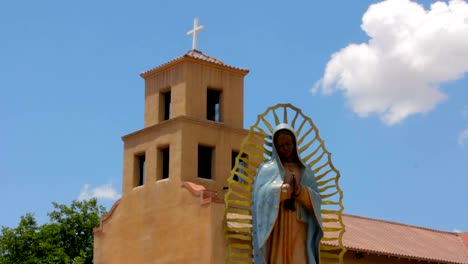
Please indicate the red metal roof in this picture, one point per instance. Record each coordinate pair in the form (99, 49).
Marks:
(197, 55)
(395, 239)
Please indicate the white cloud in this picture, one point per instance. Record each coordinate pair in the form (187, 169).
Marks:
(410, 52)
(456, 230)
(463, 137)
(106, 192)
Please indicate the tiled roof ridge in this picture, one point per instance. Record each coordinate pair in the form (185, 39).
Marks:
(197, 55)
(402, 224)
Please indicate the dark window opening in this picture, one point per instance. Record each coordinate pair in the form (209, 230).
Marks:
(205, 162)
(213, 107)
(167, 105)
(165, 163)
(141, 169)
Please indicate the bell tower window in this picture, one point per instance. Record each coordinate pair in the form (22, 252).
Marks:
(163, 162)
(140, 170)
(213, 106)
(165, 103)
(205, 162)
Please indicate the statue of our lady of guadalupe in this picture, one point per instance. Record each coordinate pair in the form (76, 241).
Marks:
(283, 202)
(286, 206)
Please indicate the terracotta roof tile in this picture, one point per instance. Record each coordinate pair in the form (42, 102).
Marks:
(464, 237)
(197, 55)
(401, 240)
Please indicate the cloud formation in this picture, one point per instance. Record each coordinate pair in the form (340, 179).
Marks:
(409, 53)
(106, 192)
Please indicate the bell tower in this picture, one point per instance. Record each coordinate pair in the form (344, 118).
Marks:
(175, 168)
(195, 85)
(194, 112)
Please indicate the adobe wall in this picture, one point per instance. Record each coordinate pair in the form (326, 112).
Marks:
(163, 223)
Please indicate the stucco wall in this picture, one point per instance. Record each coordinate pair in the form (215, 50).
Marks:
(163, 223)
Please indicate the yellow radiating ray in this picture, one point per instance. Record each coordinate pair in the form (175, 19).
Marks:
(267, 124)
(321, 183)
(255, 148)
(305, 147)
(320, 167)
(242, 221)
(321, 190)
(329, 239)
(241, 237)
(307, 158)
(301, 126)
(322, 175)
(285, 114)
(330, 220)
(238, 211)
(313, 162)
(293, 123)
(329, 195)
(304, 137)
(242, 246)
(261, 132)
(277, 122)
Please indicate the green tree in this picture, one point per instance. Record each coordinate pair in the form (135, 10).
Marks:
(66, 238)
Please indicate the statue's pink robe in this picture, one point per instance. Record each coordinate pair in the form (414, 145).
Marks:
(287, 242)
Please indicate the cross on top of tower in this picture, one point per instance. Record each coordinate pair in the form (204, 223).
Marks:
(194, 32)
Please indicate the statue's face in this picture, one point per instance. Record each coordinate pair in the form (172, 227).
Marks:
(285, 146)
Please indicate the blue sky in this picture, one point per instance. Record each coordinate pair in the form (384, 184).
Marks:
(385, 82)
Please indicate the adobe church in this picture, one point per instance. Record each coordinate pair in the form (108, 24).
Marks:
(176, 167)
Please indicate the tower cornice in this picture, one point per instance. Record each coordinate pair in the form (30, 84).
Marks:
(178, 119)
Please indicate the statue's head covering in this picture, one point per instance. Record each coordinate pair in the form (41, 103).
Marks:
(278, 129)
